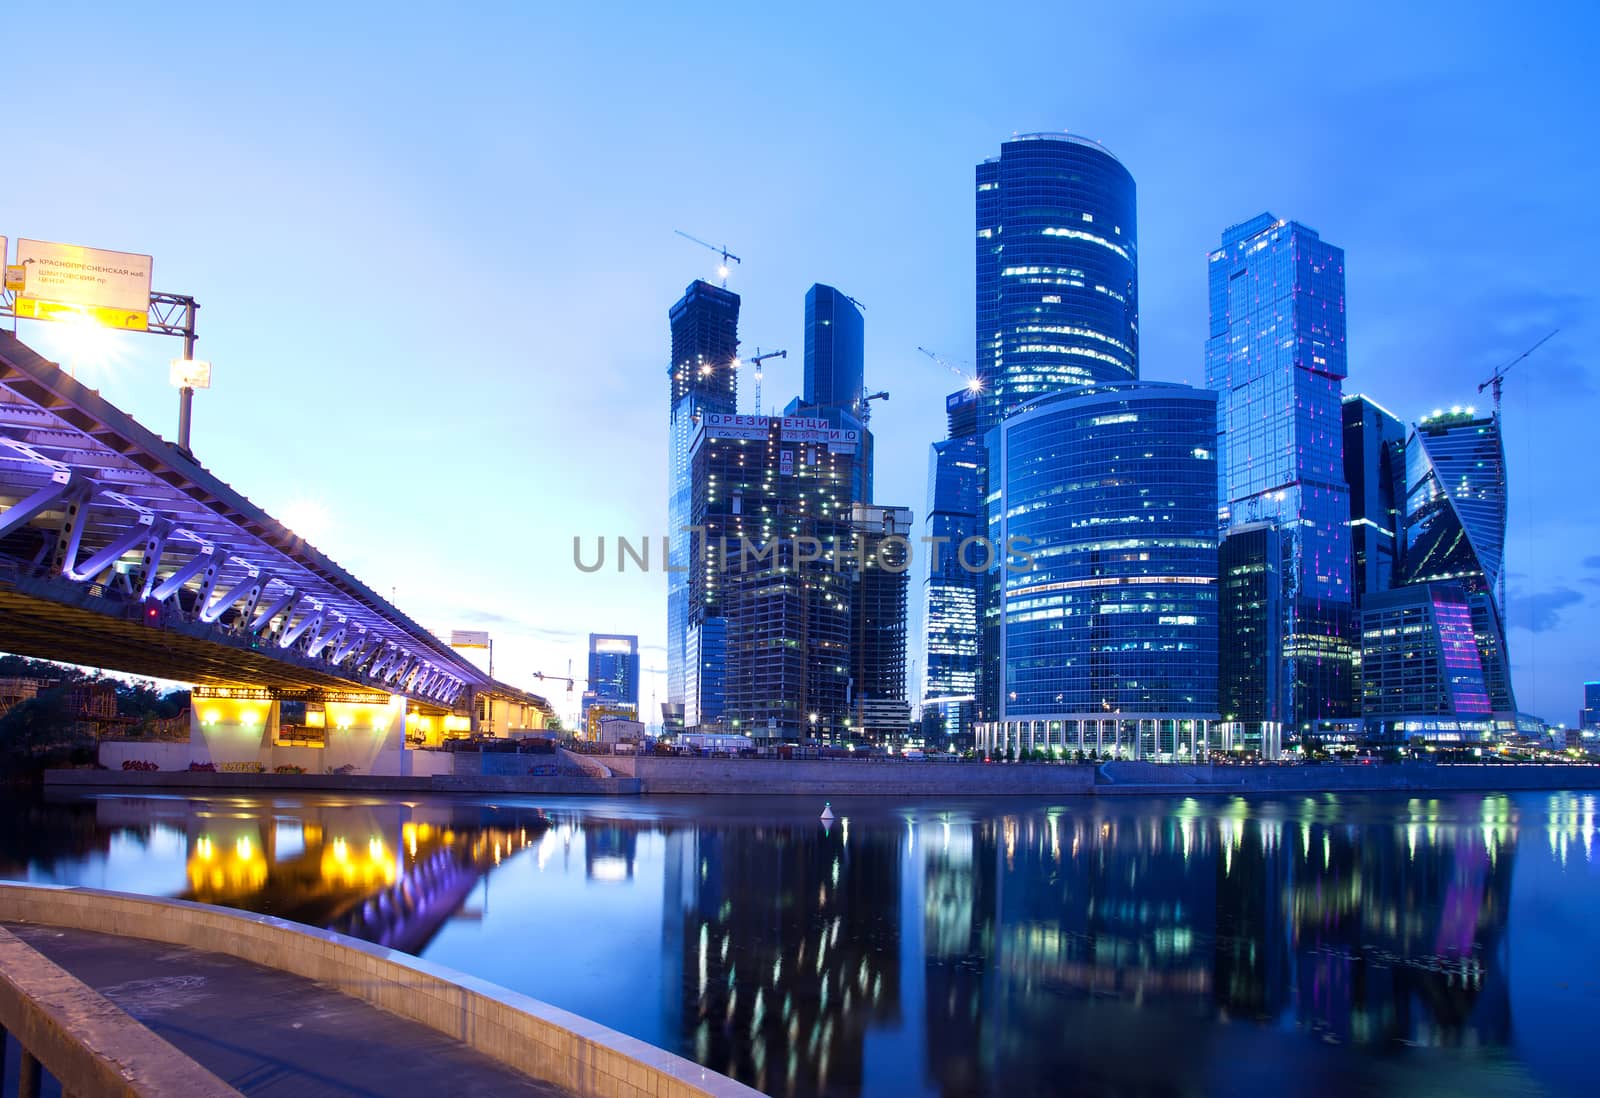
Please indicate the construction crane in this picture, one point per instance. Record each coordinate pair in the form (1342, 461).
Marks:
(974, 383)
(722, 270)
(1496, 379)
(1494, 382)
(756, 361)
(861, 406)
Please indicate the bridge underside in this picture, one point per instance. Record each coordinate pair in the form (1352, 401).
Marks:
(48, 629)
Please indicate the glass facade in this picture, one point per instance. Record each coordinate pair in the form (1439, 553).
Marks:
(1058, 271)
(1112, 492)
(1455, 527)
(705, 346)
(1589, 718)
(1375, 470)
(1422, 678)
(1276, 358)
(1057, 302)
(835, 369)
(613, 672)
(951, 592)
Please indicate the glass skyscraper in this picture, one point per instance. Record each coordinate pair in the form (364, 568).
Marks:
(1375, 470)
(1455, 528)
(955, 515)
(835, 369)
(703, 375)
(1276, 358)
(613, 672)
(1058, 270)
(1422, 678)
(1109, 634)
(1057, 300)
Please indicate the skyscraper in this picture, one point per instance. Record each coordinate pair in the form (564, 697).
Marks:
(835, 368)
(1455, 528)
(1421, 676)
(613, 672)
(1058, 272)
(1375, 470)
(1057, 300)
(955, 516)
(761, 485)
(1108, 591)
(705, 344)
(879, 585)
(1276, 358)
(1589, 716)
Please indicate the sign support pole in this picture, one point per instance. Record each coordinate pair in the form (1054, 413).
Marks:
(186, 394)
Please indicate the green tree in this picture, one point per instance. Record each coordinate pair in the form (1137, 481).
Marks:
(39, 733)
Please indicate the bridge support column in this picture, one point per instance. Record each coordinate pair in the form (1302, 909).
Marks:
(233, 728)
(369, 737)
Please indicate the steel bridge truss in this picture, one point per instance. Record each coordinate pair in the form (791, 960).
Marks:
(110, 517)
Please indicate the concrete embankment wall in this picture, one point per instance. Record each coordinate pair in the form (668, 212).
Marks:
(844, 777)
(343, 783)
(533, 1037)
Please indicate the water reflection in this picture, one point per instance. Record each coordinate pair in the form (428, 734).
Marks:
(1314, 944)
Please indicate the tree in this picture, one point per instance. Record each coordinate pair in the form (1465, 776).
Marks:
(40, 732)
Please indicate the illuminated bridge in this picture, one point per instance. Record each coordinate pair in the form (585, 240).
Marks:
(118, 550)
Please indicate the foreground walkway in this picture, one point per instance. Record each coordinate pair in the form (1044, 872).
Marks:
(271, 1033)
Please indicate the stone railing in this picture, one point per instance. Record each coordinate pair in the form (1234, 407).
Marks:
(532, 1037)
(86, 1042)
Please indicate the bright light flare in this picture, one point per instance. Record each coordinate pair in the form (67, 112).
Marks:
(974, 385)
(84, 345)
(309, 518)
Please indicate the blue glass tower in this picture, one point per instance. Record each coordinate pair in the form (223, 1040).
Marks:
(1276, 358)
(1109, 639)
(1058, 270)
(613, 672)
(1375, 469)
(1455, 528)
(955, 515)
(705, 346)
(835, 370)
(1057, 299)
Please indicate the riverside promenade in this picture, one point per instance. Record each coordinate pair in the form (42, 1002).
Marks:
(626, 775)
(130, 995)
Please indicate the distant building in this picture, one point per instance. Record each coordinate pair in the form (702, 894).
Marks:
(613, 673)
(1375, 470)
(880, 563)
(1109, 632)
(1455, 529)
(1422, 679)
(704, 381)
(1589, 716)
(1276, 358)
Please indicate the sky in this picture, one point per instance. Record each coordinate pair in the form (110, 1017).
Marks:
(434, 247)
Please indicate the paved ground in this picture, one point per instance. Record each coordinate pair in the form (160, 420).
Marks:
(270, 1033)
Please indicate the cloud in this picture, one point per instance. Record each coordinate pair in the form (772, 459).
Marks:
(1591, 562)
(1541, 611)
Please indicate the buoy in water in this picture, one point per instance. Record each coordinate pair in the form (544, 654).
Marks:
(827, 810)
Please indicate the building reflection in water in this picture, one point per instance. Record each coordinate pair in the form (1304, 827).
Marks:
(1110, 946)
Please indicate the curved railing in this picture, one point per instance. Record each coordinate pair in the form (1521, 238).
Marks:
(532, 1037)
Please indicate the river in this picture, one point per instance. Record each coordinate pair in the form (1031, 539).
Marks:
(1305, 945)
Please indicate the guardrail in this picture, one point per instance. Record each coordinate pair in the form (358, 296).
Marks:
(87, 1044)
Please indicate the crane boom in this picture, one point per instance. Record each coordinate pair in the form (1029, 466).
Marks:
(756, 361)
(974, 383)
(1495, 380)
(722, 250)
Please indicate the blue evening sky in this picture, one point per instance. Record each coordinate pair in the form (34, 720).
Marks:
(434, 248)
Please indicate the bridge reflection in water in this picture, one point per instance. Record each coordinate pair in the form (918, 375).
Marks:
(384, 872)
(1114, 946)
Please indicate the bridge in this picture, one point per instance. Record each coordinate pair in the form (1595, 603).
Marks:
(119, 550)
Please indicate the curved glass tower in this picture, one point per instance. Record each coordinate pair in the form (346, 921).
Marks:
(1058, 270)
(1455, 528)
(1109, 640)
